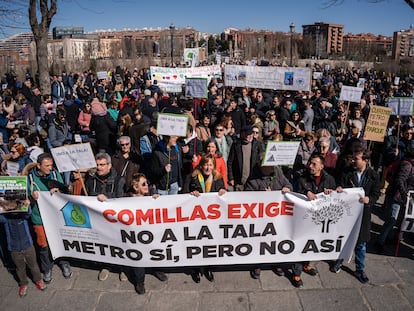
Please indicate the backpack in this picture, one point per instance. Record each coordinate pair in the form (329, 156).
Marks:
(392, 170)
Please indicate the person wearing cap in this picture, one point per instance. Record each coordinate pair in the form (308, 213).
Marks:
(244, 155)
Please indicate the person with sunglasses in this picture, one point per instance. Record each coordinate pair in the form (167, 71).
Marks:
(139, 187)
(205, 178)
(125, 161)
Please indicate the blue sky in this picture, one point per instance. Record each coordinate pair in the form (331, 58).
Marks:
(357, 16)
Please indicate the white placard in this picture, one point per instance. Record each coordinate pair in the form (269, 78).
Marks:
(73, 157)
(317, 75)
(196, 87)
(268, 77)
(102, 75)
(172, 124)
(13, 168)
(351, 94)
(401, 106)
(280, 153)
(182, 230)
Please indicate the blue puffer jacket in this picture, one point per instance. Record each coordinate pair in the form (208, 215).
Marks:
(17, 231)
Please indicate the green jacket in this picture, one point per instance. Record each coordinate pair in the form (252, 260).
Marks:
(42, 183)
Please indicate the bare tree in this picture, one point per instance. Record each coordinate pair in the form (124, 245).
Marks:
(40, 31)
(329, 3)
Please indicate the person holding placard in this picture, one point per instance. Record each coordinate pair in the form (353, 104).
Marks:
(166, 166)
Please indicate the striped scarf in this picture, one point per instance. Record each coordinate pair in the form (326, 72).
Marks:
(205, 185)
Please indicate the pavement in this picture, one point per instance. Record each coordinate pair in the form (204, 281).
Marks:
(391, 287)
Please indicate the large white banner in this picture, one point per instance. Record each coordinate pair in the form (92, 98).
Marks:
(274, 78)
(183, 230)
(172, 79)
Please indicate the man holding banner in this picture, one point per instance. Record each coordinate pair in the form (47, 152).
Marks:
(45, 178)
(315, 181)
(365, 177)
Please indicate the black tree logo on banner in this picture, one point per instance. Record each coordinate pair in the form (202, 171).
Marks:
(328, 214)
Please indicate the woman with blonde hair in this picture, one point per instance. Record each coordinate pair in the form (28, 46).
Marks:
(206, 179)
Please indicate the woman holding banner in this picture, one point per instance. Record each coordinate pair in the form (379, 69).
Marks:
(139, 188)
(206, 179)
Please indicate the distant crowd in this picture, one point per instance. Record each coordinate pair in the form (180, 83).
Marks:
(222, 151)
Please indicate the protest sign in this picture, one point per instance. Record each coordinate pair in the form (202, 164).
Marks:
(377, 123)
(361, 83)
(317, 75)
(172, 79)
(274, 78)
(13, 193)
(172, 124)
(191, 56)
(73, 157)
(351, 94)
(13, 168)
(196, 87)
(183, 230)
(280, 153)
(407, 224)
(401, 106)
(102, 75)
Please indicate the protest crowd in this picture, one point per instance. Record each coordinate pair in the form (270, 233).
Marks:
(223, 151)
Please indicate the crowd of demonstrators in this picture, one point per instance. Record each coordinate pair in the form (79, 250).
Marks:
(226, 136)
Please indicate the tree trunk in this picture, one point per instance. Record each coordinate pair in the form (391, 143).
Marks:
(40, 33)
(43, 64)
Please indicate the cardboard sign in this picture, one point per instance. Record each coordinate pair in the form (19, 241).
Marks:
(377, 123)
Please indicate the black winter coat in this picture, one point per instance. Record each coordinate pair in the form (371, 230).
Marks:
(235, 160)
(307, 183)
(371, 185)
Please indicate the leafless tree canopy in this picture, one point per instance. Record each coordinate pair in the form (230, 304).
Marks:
(329, 3)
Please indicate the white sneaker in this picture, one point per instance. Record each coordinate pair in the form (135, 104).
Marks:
(103, 275)
(123, 277)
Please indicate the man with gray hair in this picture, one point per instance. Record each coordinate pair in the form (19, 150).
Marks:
(126, 161)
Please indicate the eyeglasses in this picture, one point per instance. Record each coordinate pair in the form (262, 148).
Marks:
(255, 132)
(219, 130)
(144, 184)
(126, 144)
(101, 164)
